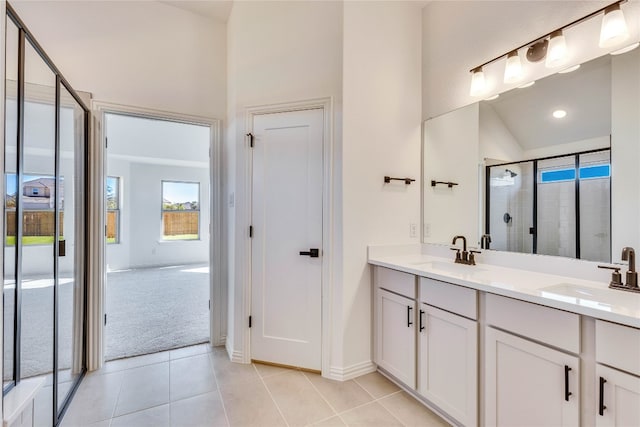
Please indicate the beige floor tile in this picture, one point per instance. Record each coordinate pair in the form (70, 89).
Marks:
(298, 400)
(134, 362)
(95, 399)
(199, 411)
(44, 407)
(330, 422)
(228, 372)
(152, 417)
(143, 388)
(370, 415)
(189, 351)
(377, 385)
(191, 376)
(341, 395)
(105, 423)
(411, 412)
(268, 370)
(249, 404)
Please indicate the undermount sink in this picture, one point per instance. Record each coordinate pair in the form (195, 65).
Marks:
(581, 294)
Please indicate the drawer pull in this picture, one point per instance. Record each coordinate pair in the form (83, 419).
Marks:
(409, 322)
(421, 324)
(601, 405)
(567, 393)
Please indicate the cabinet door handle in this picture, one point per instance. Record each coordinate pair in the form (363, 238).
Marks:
(421, 325)
(409, 322)
(567, 393)
(601, 405)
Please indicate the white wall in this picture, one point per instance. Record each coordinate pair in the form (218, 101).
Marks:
(451, 153)
(381, 136)
(277, 52)
(496, 141)
(140, 53)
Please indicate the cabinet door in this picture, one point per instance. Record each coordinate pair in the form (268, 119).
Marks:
(529, 384)
(618, 397)
(448, 363)
(396, 339)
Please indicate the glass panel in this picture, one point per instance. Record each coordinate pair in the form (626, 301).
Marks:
(70, 261)
(595, 206)
(113, 209)
(511, 207)
(11, 141)
(37, 196)
(180, 210)
(557, 207)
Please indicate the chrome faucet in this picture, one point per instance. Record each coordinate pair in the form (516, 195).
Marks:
(485, 241)
(466, 257)
(628, 254)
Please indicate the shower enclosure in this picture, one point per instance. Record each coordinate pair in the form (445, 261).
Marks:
(557, 205)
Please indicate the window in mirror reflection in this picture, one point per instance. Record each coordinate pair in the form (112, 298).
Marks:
(565, 210)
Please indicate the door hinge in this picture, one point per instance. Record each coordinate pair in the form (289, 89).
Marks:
(209, 304)
(250, 135)
(106, 143)
(105, 230)
(105, 319)
(251, 231)
(249, 321)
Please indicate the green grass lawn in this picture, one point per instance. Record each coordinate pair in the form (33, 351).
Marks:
(181, 237)
(30, 240)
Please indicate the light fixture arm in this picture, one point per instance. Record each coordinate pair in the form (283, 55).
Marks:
(539, 39)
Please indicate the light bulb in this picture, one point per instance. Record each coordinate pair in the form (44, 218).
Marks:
(557, 50)
(560, 114)
(477, 82)
(625, 49)
(614, 27)
(513, 68)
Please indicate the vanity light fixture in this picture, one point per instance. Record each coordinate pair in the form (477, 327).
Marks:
(513, 69)
(491, 98)
(570, 69)
(557, 52)
(625, 49)
(560, 114)
(614, 27)
(478, 85)
(553, 47)
(526, 85)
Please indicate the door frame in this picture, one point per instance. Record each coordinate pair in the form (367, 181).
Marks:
(97, 252)
(245, 178)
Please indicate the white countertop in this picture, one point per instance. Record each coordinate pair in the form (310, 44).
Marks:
(585, 297)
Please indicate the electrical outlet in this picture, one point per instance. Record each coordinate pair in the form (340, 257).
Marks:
(413, 230)
(427, 230)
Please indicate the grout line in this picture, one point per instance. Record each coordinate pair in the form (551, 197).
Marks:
(335, 412)
(270, 395)
(365, 389)
(215, 376)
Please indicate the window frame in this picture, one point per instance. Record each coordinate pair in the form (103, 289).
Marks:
(163, 210)
(118, 210)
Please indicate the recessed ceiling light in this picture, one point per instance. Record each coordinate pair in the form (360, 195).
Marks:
(559, 114)
(491, 98)
(625, 49)
(570, 69)
(527, 84)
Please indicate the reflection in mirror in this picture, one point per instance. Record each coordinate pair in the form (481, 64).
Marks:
(536, 165)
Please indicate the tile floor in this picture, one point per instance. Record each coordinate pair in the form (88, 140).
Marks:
(199, 386)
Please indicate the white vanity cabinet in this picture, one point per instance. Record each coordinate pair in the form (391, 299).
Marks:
(448, 349)
(526, 381)
(395, 321)
(617, 375)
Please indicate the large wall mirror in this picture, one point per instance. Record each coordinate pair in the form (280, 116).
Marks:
(547, 169)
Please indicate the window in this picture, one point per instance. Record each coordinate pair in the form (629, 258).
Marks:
(38, 201)
(180, 210)
(586, 172)
(113, 209)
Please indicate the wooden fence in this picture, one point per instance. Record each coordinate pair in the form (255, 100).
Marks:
(177, 223)
(112, 225)
(35, 223)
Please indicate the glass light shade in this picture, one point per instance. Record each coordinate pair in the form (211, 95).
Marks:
(625, 49)
(477, 83)
(513, 68)
(614, 27)
(556, 51)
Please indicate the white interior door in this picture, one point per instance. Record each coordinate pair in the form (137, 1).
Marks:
(286, 221)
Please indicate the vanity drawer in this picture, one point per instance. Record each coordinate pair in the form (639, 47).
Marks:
(557, 328)
(449, 297)
(618, 346)
(395, 281)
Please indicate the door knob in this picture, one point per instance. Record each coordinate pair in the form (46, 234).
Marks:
(313, 253)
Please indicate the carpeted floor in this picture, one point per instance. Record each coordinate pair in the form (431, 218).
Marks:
(155, 309)
(148, 310)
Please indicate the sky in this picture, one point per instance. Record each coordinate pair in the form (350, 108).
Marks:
(12, 178)
(180, 192)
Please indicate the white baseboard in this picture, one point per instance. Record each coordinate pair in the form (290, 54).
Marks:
(234, 356)
(344, 374)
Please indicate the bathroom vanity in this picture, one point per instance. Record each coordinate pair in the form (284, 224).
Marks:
(492, 345)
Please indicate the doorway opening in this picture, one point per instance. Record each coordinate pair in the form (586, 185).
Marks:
(158, 198)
